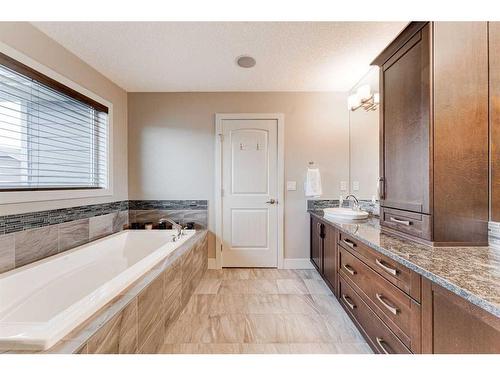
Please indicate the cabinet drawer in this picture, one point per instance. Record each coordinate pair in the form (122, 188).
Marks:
(418, 225)
(404, 278)
(378, 335)
(392, 305)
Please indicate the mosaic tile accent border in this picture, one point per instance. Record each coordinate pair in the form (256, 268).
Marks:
(32, 220)
(494, 234)
(168, 204)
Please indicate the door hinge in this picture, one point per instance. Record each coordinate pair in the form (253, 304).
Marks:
(221, 192)
(221, 136)
(221, 247)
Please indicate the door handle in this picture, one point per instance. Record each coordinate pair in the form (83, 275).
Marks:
(390, 270)
(392, 309)
(348, 302)
(349, 269)
(382, 344)
(349, 243)
(381, 188)
(272, 201)
(399, 221)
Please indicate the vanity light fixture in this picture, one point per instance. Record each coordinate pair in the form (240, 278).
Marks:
(363, 98)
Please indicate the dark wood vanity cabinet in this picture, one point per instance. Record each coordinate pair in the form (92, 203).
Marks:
(324, 251)
(317, 228)
(452, 325)
(434, 133)
(396, 309)
(330, 257)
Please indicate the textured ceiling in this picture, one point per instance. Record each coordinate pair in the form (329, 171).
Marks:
(200, 56)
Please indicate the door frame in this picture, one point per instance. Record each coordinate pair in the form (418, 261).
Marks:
(280, 118)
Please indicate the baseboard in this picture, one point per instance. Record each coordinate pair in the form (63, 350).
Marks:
(289, 264)
(297, 264)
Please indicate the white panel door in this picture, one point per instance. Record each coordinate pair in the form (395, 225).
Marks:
(249, 183)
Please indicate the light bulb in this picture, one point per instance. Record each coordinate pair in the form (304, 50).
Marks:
(363, 92)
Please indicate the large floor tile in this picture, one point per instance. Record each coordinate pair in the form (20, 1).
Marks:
(317, 287)
(265, 328)
(291, 286)
(263, 311)
(208, 286)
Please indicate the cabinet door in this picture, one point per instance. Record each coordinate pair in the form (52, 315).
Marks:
(494, 53)
(460, 156)
(330, 257)
(317, 244)
(405, 94)
(451, 325)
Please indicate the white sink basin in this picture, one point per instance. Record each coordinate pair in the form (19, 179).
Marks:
(344, 213)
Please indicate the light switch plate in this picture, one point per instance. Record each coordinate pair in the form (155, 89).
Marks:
(343, 185)
(355, 185)
(291, 185)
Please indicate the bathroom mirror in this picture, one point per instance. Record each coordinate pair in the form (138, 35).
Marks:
(364, 136)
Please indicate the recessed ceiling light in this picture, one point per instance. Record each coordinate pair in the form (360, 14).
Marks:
(245, 61)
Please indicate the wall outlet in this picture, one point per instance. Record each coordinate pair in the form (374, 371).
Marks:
(291, 185)
(355, 185)
(343, 185)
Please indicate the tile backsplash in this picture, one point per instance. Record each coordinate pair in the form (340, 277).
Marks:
(494, 234)
(319, 204)
(29, 237)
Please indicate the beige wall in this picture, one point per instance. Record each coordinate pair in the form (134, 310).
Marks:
(171, 147)
(31, 42)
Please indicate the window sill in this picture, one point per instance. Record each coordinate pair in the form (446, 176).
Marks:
(11, 197)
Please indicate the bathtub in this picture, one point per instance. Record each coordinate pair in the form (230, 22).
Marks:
(42, 302)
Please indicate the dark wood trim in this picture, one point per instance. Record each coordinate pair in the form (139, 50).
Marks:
(417, 37)
(427, 323)
(494, 117)
(401, 39)
(25, 70)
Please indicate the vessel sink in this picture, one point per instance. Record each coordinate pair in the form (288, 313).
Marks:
(345, 213)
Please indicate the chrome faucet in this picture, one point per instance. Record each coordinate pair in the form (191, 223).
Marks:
(174, 226)
(355, 200)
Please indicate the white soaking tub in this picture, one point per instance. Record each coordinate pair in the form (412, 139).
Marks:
(42, 302)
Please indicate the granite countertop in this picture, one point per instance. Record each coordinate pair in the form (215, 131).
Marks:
(470, 272)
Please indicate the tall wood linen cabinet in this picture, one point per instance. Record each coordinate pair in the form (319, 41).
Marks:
(434, 158)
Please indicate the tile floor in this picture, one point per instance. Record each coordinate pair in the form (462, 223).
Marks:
(263, 311)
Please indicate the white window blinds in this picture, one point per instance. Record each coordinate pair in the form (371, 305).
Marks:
(49, 137)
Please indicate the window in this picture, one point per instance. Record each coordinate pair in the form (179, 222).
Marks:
(51, 137)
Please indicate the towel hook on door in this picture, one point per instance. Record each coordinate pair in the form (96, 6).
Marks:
(312, 164)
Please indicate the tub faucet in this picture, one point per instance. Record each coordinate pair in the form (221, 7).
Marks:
(355, 201)
(174, 225)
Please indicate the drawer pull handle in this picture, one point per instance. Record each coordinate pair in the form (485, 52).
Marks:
(349, 243)
(346, 299)
(392, 309)
(382, 344)
(390, 270)
(404, 222)
(349, 269)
